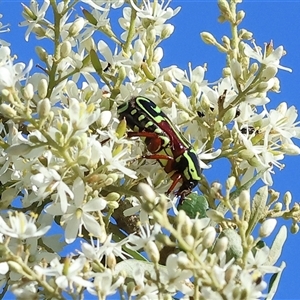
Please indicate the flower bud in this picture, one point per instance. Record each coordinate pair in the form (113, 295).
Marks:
(65, 49)
(244, 200)
(221, 246)
(229, 115)
(183, 116)
(208, 38)
(290, 149)
(231, 273)
(253, 68)
(276, 85)
(245, 34)
(294, 228)
(151, 35)
(146, 192)
(268, 73)
(111, 260)
(236, 69)
(230, 182)
(225, 9)
(218, 128)
(183, 262)
(113, 204)
(113, 176)
(39, 31)
(227, 143)
(204, 103)
(152, 251)
(267, 227)
(179, 88)
(43, 108)
(226, 42)
(113, 196)
(76, 27)
(216, 188)
(181, 218)
(158, 54)
(28, 92)
(42, 88)
(240, 16)
(7, 110)
(274, 196)
(262, 87)
(41, 52)
(189, 239)
(167, 31)
(209, 237)
(250, 240)
(254, 162)
(105, 118)
(287, 198)
(226, 72)
(277, 207)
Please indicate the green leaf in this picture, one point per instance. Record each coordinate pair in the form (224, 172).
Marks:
(235, 248)
(277, 246)
(95, 61)
(274, 281)
(233, 195)
(258, 208)
(194, 205)
(89, 17)
(130, 265)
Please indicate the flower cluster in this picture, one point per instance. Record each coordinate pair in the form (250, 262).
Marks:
(67, 162)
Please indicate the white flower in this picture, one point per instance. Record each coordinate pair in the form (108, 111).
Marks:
(270, 60)
(259, 261)
(66, 274)
(147, 233)
(94, 4)
(142, 285)
(155, 11)
(267, 227)
(22, 226)
(81, 115)
(282, 123)
(174, 278)
(97, 250)
(79, 213)
(109, 247)
(195, 80)
(11, 74)
(103, 284)
(39, 16)
(47, 181)
(115, 162)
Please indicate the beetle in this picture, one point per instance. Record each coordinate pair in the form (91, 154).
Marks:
(165, 143)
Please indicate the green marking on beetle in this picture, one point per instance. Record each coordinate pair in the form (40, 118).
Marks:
(141, 117)
(149, 124)
(133, 112)
(123, 107)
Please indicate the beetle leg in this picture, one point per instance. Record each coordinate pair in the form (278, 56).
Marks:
(176, 177)
(159, 156)
(142, 134)
(153, 141)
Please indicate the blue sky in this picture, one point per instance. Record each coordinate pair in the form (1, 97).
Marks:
(268, 20)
